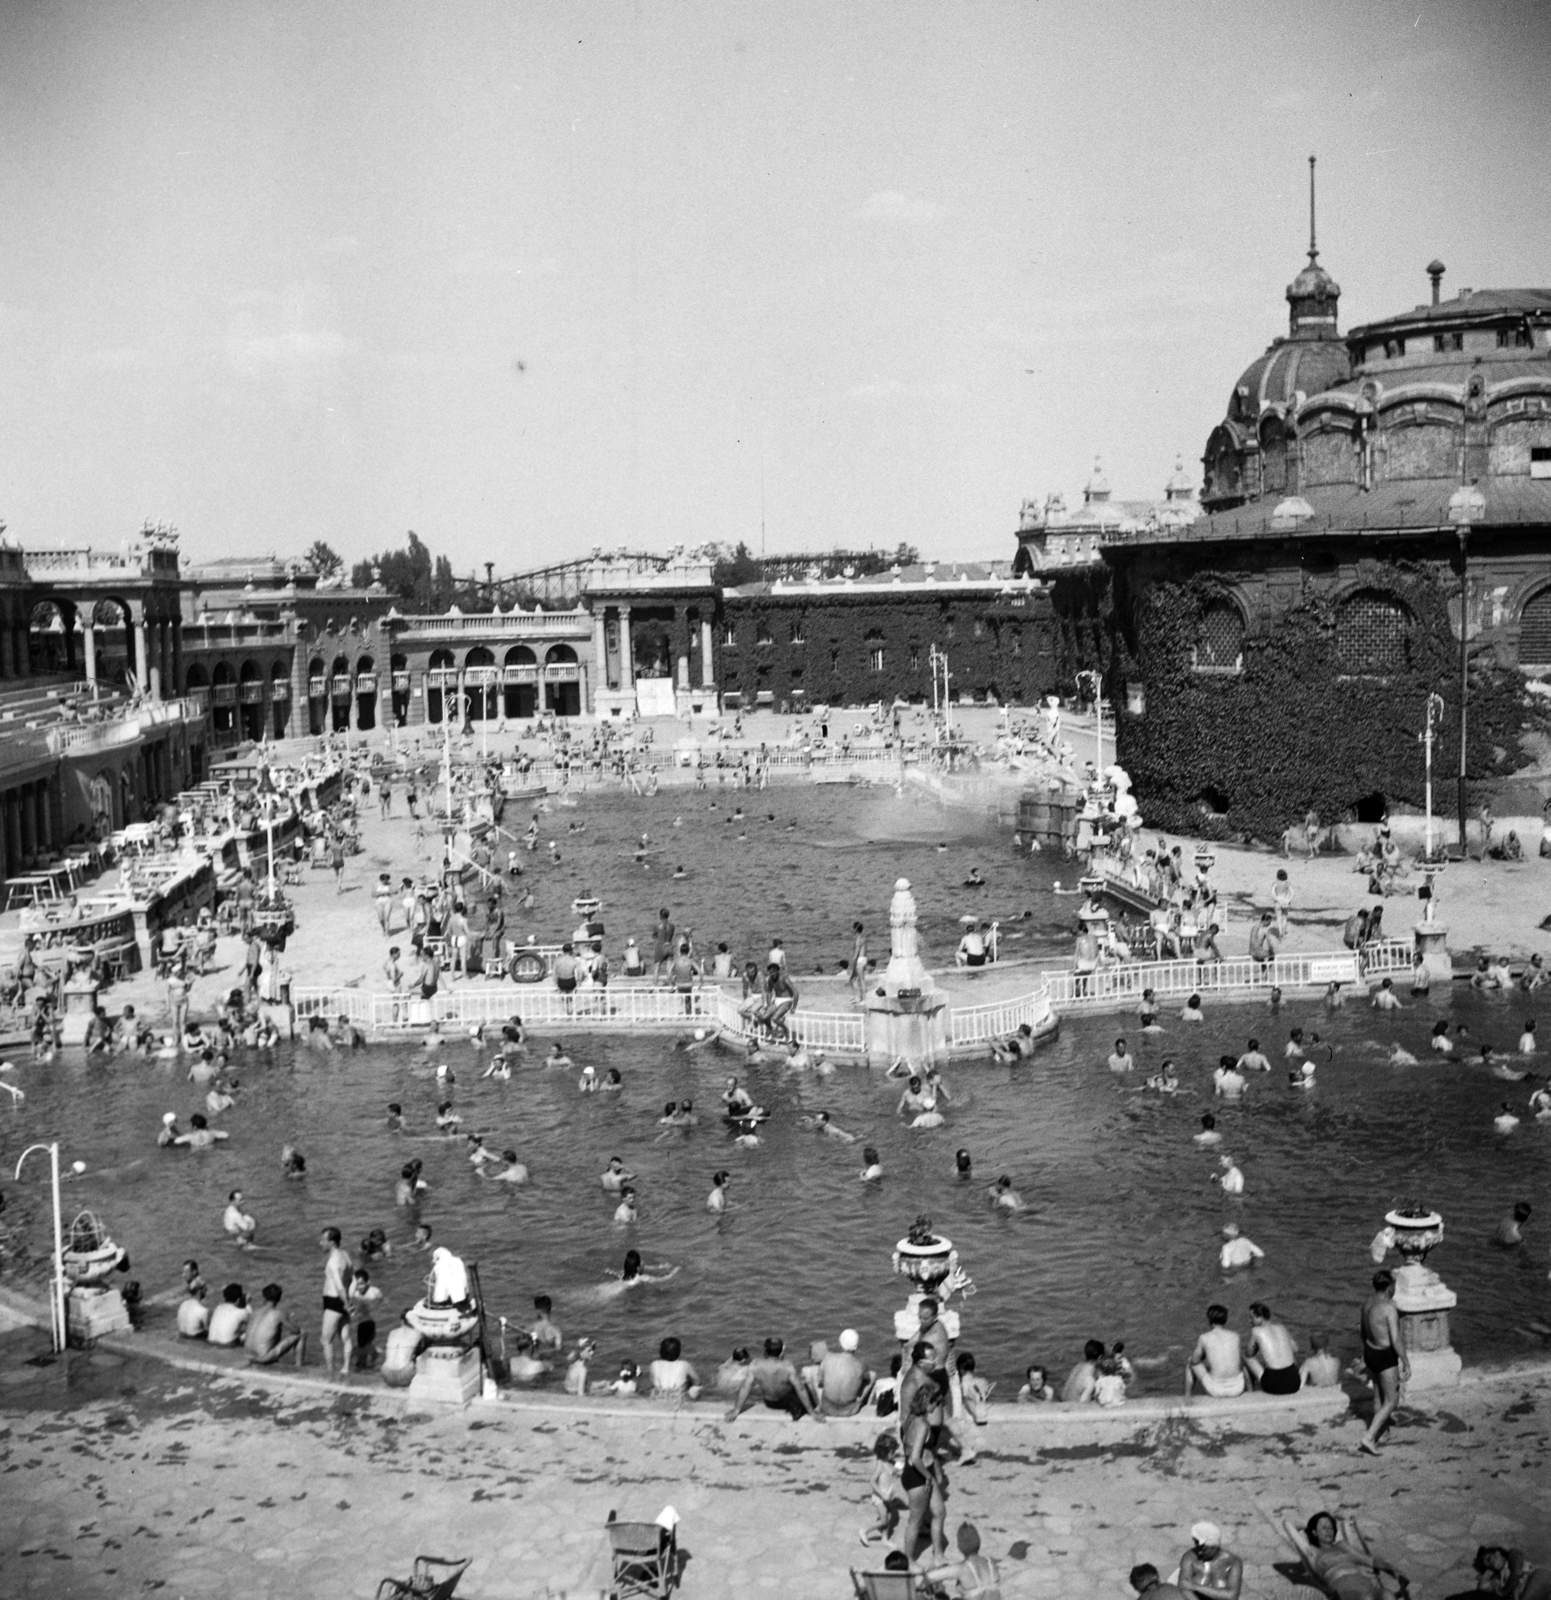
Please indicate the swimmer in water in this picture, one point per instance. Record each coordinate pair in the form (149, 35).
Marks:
(797, 1057)
(422, 1238)
(679, 872)
(513, 1171)
(447, 1120)
(612, 1082)
(1441, 1042)
(1505, 1121)
(716, 1201)
(1165, 1080)
(395, 1117)
(625, 1212)
(748, 1141)
(1302, 1077)
(699, 1041)
(588, 1082)
(615, 1177)
(1208, 1133)
(1192, 1011)
(1527, 1038)
(736, 1099)
(1230, 1179)
(1227, 1080)
(200, 1135)
(557, 1056)
(237, 1222)
(1003, 1196)
(477, 1154)
(410, 1185)
(292, 1162)
(1253, 1059)
(1385, 998)
(820, 1123)
(1237, 1251)
(1147, 1013)
(963, 1166)
(1121, 1059)
(1501, 1069)
(1540, 1103)
(1401, 1057)
(1334, 999)
(1293, 1049)
(499, 1068)
(1510, 1231)
(914, 1099)
(872, 1165)
(635, 1272)
(168, 1133)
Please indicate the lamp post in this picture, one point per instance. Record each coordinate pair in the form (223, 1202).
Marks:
(1467, 506)
(1091, 675)
(57, 1299)
(1433, 717)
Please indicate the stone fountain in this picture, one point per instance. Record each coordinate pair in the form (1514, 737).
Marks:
(1423, 1300)
(906, 1012)
(930, 1262)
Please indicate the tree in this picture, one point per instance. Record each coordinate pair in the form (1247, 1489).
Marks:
(323, 559)
(410, 575)
(735, 566)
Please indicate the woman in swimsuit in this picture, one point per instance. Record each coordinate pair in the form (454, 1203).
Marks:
(923, 1479)
(1347, 1571)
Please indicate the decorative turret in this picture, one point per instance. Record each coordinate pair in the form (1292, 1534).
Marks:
(1312, 295)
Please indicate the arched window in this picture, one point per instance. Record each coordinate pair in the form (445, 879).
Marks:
(1535, 631)
(1220, 638)
(1373, 633)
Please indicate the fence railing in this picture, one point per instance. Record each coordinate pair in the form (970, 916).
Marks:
(634, 1004)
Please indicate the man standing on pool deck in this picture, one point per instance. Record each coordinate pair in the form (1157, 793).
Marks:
(336, 1316)
(662, 943)
(859, 961)
(1383, 1355)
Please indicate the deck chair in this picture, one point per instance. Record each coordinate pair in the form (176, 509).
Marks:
(433, 1579)
(1353, 1535)
(645, 1558)
(888, 1585)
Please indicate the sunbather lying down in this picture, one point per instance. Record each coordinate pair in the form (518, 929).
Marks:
(1337, 1554)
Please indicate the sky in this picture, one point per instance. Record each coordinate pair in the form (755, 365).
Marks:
(533, 278)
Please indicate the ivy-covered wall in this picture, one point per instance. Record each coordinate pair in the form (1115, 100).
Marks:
(1247, 753)
(816, 648)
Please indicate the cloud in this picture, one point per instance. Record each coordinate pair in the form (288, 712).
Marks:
(122, 358)
(890, 205)
(896, 389)
(253, 353)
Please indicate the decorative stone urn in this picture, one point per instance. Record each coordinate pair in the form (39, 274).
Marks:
(1423, 1300)
(931, 1263)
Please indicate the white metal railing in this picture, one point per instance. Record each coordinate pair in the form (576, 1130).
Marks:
(648, 1005)
(617, 1006)
(510, 625)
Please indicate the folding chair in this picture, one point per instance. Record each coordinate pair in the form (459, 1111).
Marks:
(433, 1579)
(887, 1585)
(645, 1556)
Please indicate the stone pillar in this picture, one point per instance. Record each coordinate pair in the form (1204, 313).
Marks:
(600, 656)
(681, 647)
(626, 658)
(176, 628)
(707, 676)
(142, 666)
(29, 837)
(164, 657)
(45, 819)
(89, 634)
(458, 711)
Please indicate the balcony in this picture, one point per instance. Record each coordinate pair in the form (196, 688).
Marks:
(442, 678)
(481, 677)
(562, 672)
(317, 688)
(522, 672)
(343, 685)
(279, 688)
(401, 683)
(225, 694)
(85, 565)
(251, 692)
(504, 625)
(366, 683)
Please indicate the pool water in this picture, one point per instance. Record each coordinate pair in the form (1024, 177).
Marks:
(1122, 1229)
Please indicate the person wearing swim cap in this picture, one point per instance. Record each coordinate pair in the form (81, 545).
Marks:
(1206, 1570)
(169, 1129)
(843, 1382)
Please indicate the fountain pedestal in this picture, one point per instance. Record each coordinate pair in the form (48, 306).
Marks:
(91, 1312)
(1432, 947)
(447, 1373)
(1424, 1302)
(80, 997)
(906, 1013)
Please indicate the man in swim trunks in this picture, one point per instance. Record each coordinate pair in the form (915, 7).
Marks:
(662, 942)
(843, 1381)
(270, 1335)
(336, 1288)
(774, 1380)
(1206, 1570)
(1272, 1356)
(1383, 1355)
(1017, 1047)
(1216, 1364)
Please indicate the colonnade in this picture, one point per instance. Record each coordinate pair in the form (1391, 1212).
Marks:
(26, 826)
(682, 645)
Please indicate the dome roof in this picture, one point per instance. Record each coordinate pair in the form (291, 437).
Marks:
(1288, 367)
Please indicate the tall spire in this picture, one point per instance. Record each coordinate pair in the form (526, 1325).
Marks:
(1313, 248)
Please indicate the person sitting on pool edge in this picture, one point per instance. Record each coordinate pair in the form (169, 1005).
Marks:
(1216, 1364)
(1272, 1356)
(271, 1335)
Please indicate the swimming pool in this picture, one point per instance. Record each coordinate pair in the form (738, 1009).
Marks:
(1122, 1228)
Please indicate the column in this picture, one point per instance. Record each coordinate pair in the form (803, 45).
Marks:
(600, 657)
(177, 655)
(142, 666)
(626, 660)
(681, 647)
(45, 819)
(89, 633)
(164, 657)
(29, 837)
(707, 676)
(458, 711)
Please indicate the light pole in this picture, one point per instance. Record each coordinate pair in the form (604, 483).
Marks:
(57, 1299)
(1091, 675)
(1434, 716)
(1467, 505)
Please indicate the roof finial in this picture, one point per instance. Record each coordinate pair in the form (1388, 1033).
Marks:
(1313, 248)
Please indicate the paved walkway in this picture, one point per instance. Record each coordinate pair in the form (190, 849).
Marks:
(123, 1477)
